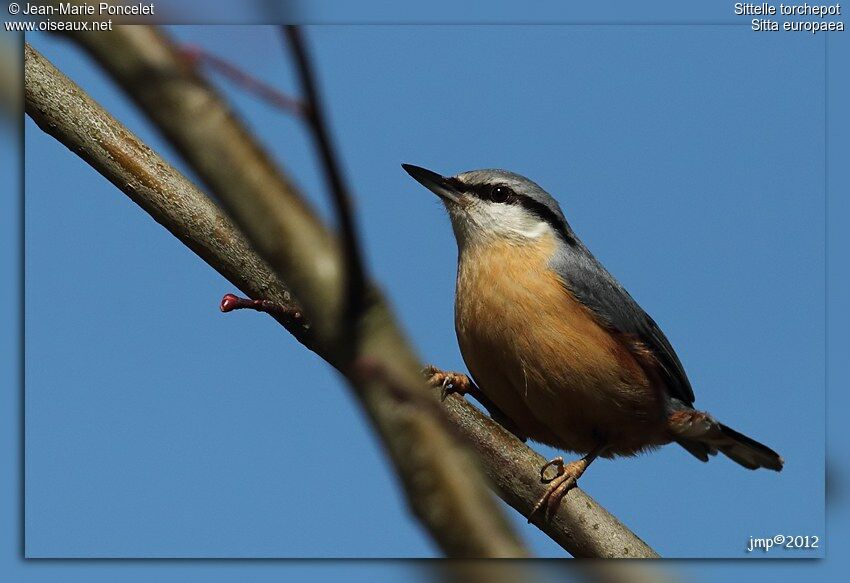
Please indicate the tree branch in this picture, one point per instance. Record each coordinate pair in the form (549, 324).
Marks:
(443, 484)
(81, 125)
(232, 165)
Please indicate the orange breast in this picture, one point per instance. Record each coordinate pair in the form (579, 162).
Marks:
(540, 355)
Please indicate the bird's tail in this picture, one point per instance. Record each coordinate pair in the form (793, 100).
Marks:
(703, 436)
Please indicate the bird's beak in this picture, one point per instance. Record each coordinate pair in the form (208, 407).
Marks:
(439, 185)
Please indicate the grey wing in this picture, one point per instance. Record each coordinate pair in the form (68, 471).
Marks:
(592, 285)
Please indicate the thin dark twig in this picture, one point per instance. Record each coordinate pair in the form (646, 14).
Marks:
(195, 54)
(355, 276)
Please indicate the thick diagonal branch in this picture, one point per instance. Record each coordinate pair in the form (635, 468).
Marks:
(443, 484)
(581, 526)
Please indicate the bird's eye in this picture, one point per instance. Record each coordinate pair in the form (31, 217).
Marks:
(500, 193)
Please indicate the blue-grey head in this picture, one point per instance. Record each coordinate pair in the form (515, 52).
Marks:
(487, 205)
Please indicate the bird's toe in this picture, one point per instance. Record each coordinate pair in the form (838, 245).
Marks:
(449, 382)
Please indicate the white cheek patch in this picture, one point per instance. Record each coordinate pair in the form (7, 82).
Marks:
(482, 220)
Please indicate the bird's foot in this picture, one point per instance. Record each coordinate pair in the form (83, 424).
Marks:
(455, 382)
(566, 476)
(449, 382)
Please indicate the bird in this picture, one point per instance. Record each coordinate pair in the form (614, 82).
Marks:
(553, 341)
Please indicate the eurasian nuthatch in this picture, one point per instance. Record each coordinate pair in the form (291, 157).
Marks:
(557, 344)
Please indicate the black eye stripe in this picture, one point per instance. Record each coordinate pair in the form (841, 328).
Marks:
(540, 210)
(489, 192)
(456, 184)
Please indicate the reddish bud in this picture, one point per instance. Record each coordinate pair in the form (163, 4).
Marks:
(230, 302)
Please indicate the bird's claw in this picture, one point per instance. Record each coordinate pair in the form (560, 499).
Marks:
(566, 477)
(557, 463)
(449, 382)
(446, 387)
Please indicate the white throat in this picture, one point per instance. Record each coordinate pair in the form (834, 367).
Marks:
(483, 221)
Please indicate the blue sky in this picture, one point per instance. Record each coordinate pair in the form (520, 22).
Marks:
(63, 170)
(676, 124)
(690, 160)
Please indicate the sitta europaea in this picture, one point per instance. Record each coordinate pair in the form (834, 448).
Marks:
(557, 344)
